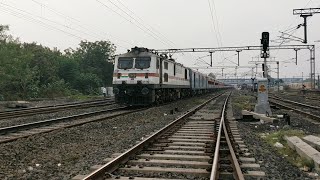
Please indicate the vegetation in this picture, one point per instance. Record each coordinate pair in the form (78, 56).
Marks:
(286, 151)
(244, 102)
(29, 70)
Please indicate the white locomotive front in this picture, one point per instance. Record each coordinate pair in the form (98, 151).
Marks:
(142, 77)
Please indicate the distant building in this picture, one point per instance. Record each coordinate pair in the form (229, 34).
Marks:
(291, 80)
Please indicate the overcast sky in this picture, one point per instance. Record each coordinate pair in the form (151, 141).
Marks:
(159, 24)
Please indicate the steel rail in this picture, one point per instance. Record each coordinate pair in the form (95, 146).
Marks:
(57, 105)
(313, 98)
(69, 125)
(238, 173)
(15, 128)
(215, 165)
(294, 102)
(124, 157)
(312, 116)
(42, 110)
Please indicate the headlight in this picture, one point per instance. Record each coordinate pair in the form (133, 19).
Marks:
(145, 91)
(116, 90)
(132, 75)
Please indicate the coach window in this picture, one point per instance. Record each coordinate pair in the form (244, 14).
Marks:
(185, 74)
(166, 77)
(158, 63)
(166, 65)
(174, 69)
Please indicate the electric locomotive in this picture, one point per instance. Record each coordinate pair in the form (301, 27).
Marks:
(142, 77)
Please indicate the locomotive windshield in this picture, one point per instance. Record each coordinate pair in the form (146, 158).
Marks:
(142, 62)
(125, 63)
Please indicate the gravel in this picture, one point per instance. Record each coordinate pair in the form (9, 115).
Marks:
(65, 153)
(273, 164)
(61, 113)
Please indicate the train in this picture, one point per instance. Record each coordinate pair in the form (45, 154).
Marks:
(143, 77)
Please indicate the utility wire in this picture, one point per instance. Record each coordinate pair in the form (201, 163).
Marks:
(138, 22)
(217, 20)
(127, 19)
(126, 7)
(216, 30)
(79, 23)
(31, 19)
(213, 24)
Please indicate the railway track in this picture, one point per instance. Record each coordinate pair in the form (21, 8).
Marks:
(55, 108)
(197, 145)
(305, 109)
(12, 133)
(295, 103)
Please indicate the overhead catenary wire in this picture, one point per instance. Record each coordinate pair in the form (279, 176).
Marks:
(216, 29)
(81, 25)
(217, 22)
(42, 21)
(130, 21)
(213, 24)
(140, 22)
(295, 28)
(31, 19)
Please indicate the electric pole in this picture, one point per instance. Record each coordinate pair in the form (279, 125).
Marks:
(305, 13)
(238, 51)
(278, 75)
(211, 58)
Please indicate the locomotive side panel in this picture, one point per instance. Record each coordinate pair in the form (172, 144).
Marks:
(174, 75)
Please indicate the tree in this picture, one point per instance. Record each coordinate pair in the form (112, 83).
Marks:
(93, 58)
(30, 70)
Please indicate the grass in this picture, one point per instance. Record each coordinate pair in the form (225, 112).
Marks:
(244, 102)
(286, 151)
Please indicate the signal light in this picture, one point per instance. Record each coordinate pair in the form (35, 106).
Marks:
(265, 41)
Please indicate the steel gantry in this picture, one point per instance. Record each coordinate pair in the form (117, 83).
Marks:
(311, 48)
(305, 13)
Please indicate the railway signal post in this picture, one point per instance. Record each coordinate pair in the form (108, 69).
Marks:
(263, 106)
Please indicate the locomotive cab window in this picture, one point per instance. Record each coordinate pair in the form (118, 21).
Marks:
(165, 65)
(125, 63)
(142, 62)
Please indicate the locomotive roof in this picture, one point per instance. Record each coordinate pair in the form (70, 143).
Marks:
(141, 51)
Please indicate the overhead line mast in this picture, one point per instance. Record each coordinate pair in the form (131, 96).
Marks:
(311, 48)
(305, 13)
